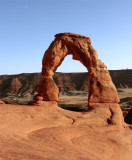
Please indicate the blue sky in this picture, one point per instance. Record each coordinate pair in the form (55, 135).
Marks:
(27, 27)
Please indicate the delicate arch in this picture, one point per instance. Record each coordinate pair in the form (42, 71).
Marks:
(102, 89)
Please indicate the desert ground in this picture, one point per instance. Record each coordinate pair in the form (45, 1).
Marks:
(81, 97)
(77, 100)
(74, 100)
(51, 133)
(69, 131)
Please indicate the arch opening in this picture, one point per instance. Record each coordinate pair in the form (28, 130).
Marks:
(73, 85)
(69, 65)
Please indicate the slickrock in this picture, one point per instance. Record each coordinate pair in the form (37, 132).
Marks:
(49, 132)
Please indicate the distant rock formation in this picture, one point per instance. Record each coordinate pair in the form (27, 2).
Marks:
(15, 85)
(64, 81)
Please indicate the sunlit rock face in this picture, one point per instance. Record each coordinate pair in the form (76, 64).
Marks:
(1, 102)
(102, 89)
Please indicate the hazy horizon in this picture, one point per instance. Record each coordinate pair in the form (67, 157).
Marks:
(60, 72)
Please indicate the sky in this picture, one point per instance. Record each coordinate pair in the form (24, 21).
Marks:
(27, 27)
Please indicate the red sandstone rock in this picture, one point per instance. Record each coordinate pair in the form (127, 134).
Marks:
(102, 89)
(15, 85)
(48, 89)
(52, 133)
(103, 105)
(1, 102)
(37, 97)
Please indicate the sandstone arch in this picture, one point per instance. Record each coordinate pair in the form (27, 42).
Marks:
(102, 90)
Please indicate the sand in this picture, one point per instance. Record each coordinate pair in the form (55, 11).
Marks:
(52, 133)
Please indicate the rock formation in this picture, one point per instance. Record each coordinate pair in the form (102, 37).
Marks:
(65, 82)
(102, 92)
(15, 85)
(1, 102)
(102, 89)
(34, 132)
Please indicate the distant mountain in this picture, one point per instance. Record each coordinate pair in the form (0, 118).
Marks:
(28, 82)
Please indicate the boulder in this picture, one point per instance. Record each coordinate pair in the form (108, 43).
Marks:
(1, 102)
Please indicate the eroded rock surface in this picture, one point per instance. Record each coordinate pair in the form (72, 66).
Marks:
(102, 89)
(49, 132)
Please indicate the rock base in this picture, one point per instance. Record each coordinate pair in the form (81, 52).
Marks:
(42, 103)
